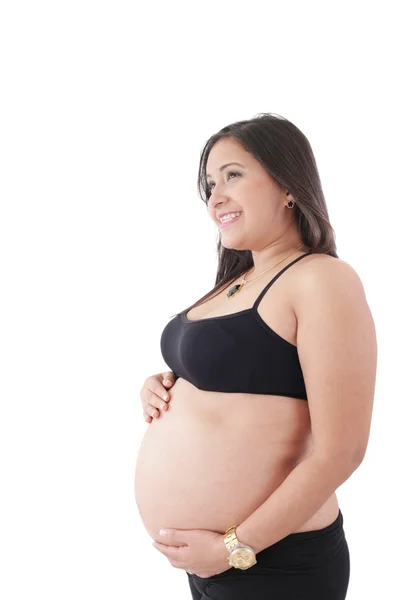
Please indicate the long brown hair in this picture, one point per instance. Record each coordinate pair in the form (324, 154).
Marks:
(286, 154)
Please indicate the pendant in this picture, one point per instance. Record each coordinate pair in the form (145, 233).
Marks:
(235, 289)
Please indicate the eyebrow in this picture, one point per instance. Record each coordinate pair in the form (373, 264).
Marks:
(227, 165)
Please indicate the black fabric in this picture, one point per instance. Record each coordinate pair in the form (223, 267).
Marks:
(238, 352)
(309, 565)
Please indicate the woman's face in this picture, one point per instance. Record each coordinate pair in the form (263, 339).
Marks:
(246, 188)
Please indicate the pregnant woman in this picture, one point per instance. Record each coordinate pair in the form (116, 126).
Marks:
(274, 377)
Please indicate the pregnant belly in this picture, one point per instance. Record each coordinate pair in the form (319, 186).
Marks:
(212, 459)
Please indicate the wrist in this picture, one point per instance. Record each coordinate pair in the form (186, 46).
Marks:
(247, 539)
(240, 554)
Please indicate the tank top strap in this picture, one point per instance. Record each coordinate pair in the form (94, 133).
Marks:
(264, 291)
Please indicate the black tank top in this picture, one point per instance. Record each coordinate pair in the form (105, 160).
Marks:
(238, 352)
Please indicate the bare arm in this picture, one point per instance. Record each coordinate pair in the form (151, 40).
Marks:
(336, 342)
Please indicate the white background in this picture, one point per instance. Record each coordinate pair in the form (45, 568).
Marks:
(105, 107)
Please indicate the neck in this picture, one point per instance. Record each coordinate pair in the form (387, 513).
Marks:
(271, 255)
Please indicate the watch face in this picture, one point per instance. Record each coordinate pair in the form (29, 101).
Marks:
(242, 558)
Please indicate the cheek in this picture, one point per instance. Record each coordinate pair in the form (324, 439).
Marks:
(258, 215)
(263, 188)
(265, 198)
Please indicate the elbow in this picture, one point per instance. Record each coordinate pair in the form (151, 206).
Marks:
(343, 462)
(359, 455)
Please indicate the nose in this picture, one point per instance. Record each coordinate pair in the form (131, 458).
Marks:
(214, 206)
(216, 198)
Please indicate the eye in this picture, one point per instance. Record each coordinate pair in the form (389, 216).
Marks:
(229, 173)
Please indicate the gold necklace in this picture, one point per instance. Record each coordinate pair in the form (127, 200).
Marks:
(237, 287)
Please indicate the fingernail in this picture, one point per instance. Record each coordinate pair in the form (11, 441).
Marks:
(165, 396)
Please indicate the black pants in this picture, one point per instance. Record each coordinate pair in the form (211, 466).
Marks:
(309, 565)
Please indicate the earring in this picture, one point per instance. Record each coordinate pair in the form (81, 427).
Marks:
(290, 204)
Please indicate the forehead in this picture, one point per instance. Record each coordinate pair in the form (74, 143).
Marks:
(227, 150)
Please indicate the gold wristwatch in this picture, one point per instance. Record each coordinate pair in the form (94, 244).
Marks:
(240, 555)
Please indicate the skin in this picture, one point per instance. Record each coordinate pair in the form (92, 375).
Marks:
(195, 442)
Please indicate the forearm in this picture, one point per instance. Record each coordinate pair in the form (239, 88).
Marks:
(306, 488)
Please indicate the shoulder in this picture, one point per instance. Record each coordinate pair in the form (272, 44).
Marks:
(323, 277)
(329, 302)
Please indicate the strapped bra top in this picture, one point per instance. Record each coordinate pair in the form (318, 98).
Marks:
(237, 352)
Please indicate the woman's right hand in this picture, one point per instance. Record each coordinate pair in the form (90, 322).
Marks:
(154, 394)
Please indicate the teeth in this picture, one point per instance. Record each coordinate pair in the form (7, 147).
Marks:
(229, 217)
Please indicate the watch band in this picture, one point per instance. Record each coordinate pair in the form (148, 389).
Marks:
(230, 538)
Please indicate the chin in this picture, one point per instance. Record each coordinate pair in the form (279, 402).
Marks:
(234, 246)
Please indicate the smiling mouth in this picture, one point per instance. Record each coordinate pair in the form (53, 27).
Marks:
(224, 224)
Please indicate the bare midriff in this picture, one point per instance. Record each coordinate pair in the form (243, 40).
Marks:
(212, 458)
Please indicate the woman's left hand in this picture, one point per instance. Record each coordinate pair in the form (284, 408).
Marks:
(199, 551)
